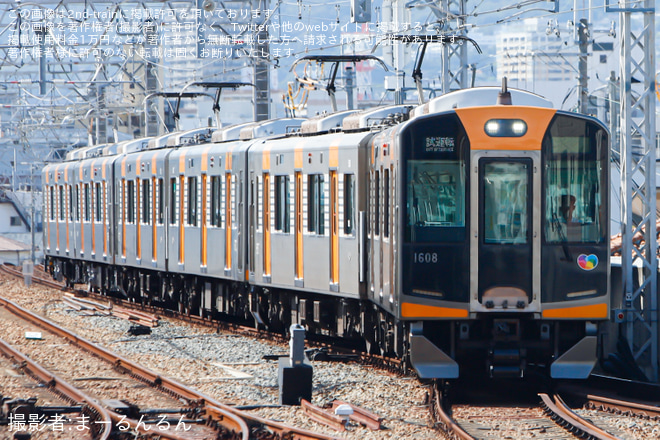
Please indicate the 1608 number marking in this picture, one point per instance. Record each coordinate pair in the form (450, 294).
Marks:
(425, 257)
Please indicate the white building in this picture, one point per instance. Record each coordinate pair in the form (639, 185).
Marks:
(542, 57)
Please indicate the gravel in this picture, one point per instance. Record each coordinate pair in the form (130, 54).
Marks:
(231, 369)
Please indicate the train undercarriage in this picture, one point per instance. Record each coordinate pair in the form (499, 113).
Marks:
(361, 324)
(499, 346)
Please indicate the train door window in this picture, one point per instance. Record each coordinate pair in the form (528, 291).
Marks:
(259, 207)
(216, 195)
(77, 205)
(234, 199)
(349, 196)
(505, 187)
(161, 203)
(130, 202)
(99, 204)
(282, 204)
(87, 203)
(146, 199)
(386, 203)
(173, 200)
(52, 204)
(104, 203)
(315, 204)
(192, 201)
(61, 196)
(70, 203)
(377, 204)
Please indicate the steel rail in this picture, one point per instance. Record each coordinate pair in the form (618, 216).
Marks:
(614, 405)
(229, 420)
(225, 413)
(565, 417)
(443, 420)
(62, 388)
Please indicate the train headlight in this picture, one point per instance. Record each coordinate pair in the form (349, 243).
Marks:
(505, 128)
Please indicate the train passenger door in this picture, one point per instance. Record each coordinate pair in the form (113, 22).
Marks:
(504, 212)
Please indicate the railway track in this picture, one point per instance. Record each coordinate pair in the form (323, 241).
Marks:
(552, 419)
(228, 421)
(324, 350)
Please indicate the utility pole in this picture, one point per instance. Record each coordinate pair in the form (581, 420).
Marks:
(261, 67)
(639, 308)
(349, 76)
(454, 56)
(583, 41)
(613, 98)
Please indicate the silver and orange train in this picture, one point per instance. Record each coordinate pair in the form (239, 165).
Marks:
(461, 235)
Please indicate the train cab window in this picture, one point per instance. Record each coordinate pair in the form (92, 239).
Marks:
(575, 153)
(315, 204)
(130, 202)
(173, 200)
(145, 218)
(192, 201)
(216, 198)
(161, 203)
(349, 200)
(282, 204)
(434, 175)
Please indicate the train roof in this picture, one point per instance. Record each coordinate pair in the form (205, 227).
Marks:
(325, 122)
(190, 137)
(229, 133)
(477, 97)
(271, 127)
(376, 117)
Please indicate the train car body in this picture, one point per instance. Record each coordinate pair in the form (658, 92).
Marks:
(492, 269)
(461, 235)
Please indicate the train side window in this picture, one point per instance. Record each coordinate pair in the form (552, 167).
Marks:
(349, 196)
(192, 201)
(282, 204)
(61, 196)
(130, 202)
(315, 204)
(173, 200)
(52, 203)
(146, 205)
(216, 195)
(87, 203)
(161, 203)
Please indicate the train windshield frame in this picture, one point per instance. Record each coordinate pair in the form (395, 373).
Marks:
(575, 163)
(435, 180)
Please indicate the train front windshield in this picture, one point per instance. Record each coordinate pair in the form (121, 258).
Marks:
(435, 183)
(575, 161)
